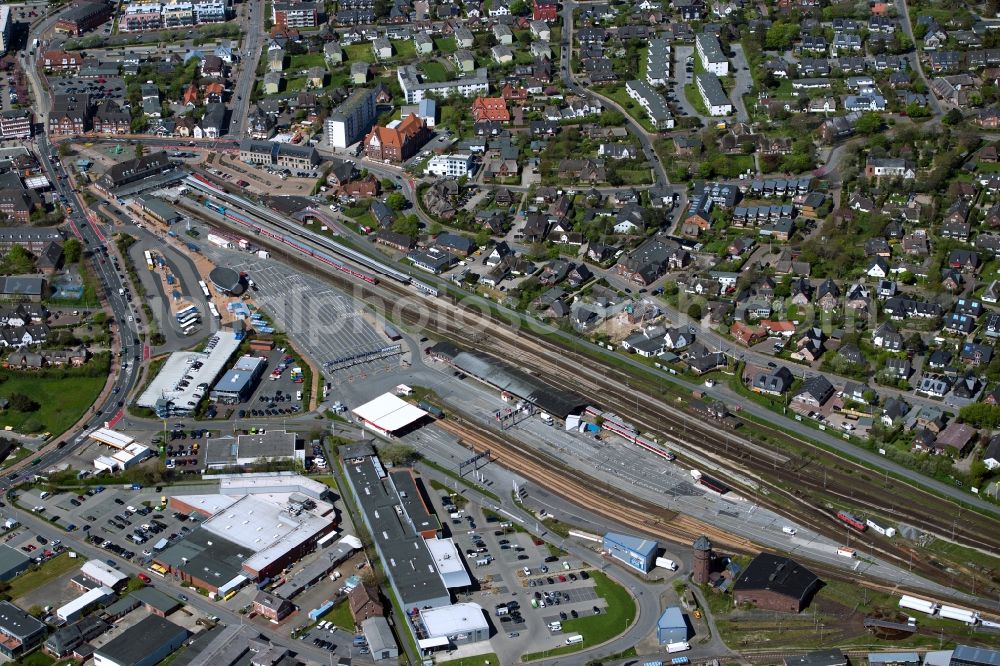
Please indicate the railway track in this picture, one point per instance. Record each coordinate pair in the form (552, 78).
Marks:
(805, 488)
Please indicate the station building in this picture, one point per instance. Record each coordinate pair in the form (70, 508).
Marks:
(509, 380)
(636, 552)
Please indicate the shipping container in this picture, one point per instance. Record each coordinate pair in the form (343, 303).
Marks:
(680, 646)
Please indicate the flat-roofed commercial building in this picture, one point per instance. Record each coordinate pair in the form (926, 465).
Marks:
(145, 643)
(238, 384)
(19, 632)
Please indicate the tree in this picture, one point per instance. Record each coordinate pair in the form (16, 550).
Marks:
(694, 311)
(408, 225)
(953, 117)
(398, 454)
(396, 201)
(869, 124)
(72, 251)
(22, 403)
(518, 7)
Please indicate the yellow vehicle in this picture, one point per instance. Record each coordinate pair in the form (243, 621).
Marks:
(697, 613)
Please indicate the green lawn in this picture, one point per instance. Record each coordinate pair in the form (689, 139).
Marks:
(445, 45)
(306, 60)
(32, 579)
(61, 401)
(478, 660)
(596, 629)
(694, 97)
(631, 107)
(359, 52)
(434, 71)
(341, 616)
(404, 49)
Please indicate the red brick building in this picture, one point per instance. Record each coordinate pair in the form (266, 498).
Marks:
(545, 11)
(271, 606)
(365, 603)
(398, 143)
(776, 583)
(491, 109)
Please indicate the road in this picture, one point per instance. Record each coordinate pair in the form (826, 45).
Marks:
(903, 10)
(253, 39)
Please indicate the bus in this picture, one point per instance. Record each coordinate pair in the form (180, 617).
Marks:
(214, 310)
(204, 288)
(575, 639)
(190, 322)
(189, 329)
(187, 313)
(149, 259)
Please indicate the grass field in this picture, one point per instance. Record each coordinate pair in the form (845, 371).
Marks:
(30, 580)
(307, 60)
(341, 616)
(596, 629)
(631, 107)
(434, 71)
(478, 660)
(694, 97)
(445, 45)
(61, 401)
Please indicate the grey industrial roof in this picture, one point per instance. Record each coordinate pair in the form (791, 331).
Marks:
(139, 640)
(17, 623)
(410, 499)
(406, 558)
(206, 556)
(22, 285)
(156, 599)
(11, 560)
(378, 634)
(220, 451)
(711, 47)
(239, 376)
(497, 373)
(160, 208)
(272, 444)
(967, 654)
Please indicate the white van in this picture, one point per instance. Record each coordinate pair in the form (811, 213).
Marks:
(788, 530)
(555, 626)
(574, 639)
(44, 494)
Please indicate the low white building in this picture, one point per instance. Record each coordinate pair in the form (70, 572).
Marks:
(713, 95)
(102, 573)
(454, 165)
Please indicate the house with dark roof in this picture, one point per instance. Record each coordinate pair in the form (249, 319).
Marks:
(814, 392)
(775, 382)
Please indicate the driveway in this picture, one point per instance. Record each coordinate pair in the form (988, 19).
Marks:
(744, 82)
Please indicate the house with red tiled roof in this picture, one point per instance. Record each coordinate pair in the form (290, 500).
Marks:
(544, 11)
(214, 92)
(785, 328)
(745, 334)
(490, 109)
(191, 95)
(396, 144)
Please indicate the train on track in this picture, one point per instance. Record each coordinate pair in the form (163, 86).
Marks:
(852, 520)
(205, 186)
(614, 423)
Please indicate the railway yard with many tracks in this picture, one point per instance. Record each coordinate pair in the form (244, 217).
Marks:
(795, 477)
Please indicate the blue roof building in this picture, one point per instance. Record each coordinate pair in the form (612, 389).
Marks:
(671, 627)
(636, 552)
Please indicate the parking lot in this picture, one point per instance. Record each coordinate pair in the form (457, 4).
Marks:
(275, 397)
(126, 523)
(524, 583)
(98, 89)
(327, 324)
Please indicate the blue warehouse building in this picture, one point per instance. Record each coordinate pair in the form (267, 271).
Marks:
(671, 627)
(636, 552)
